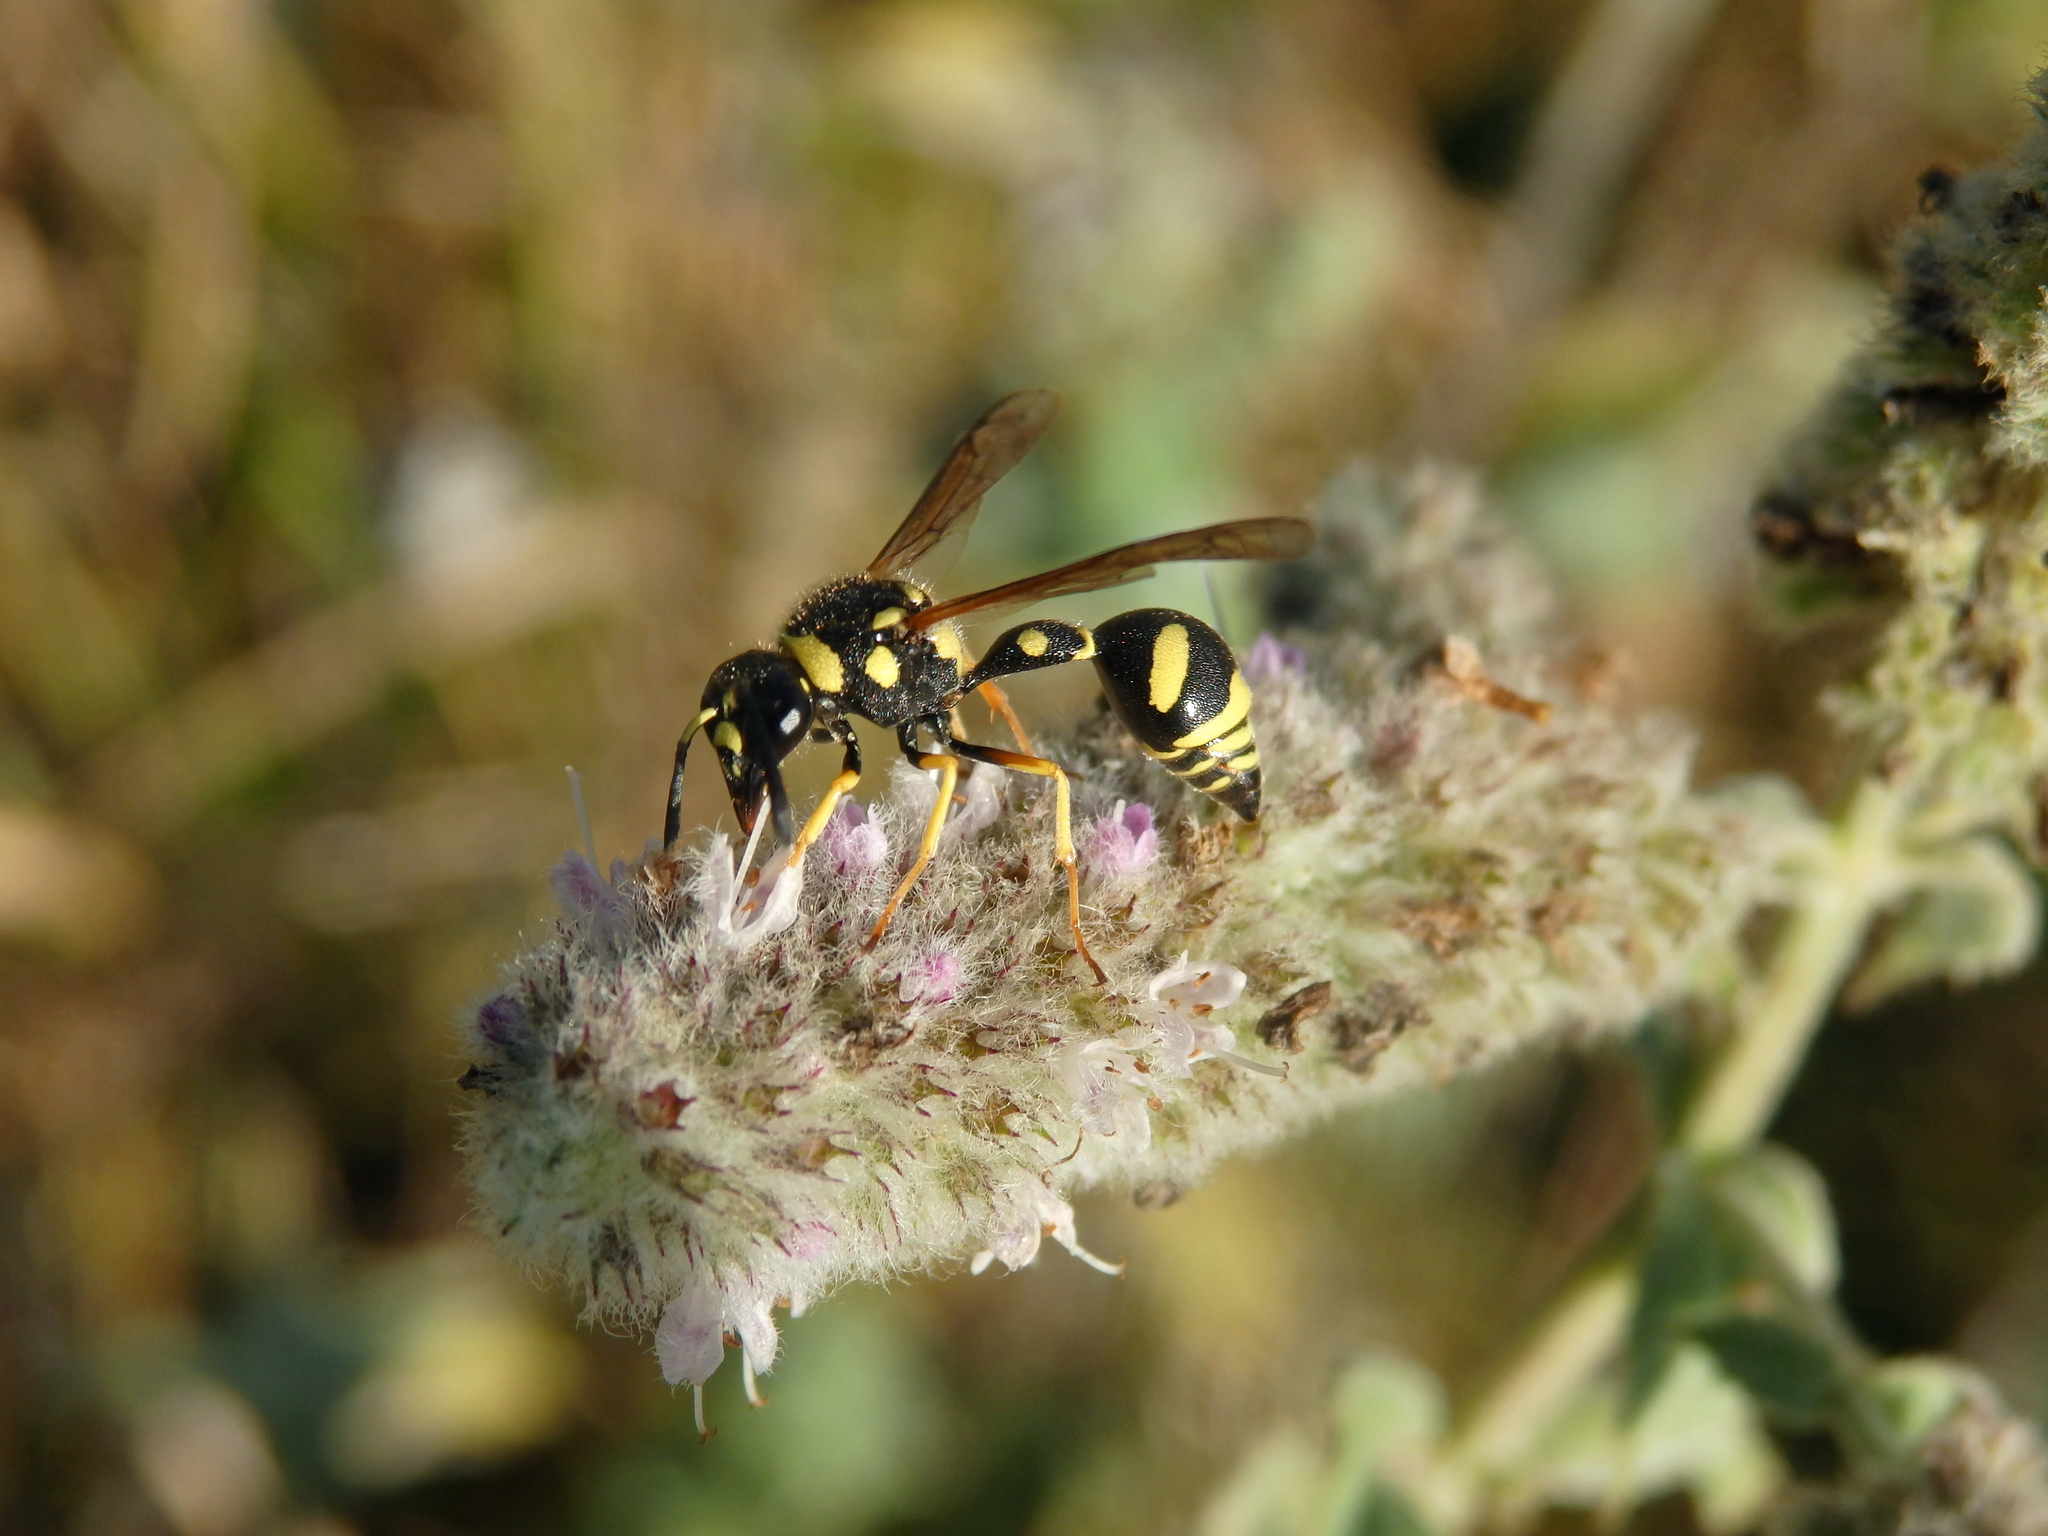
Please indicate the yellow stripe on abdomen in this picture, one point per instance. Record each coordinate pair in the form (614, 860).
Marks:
(1169, 669)
(1236, 711)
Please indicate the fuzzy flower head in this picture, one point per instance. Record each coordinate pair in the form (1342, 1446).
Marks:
(707, 1092)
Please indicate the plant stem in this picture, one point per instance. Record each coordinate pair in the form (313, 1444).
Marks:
(1820, 943)
(1584, 1327)
(1573, 1341)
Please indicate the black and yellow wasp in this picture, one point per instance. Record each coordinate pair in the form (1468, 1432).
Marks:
(875, 645)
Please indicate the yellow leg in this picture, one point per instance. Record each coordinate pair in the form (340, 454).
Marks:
(998, 703)
(841, 784)
(949, 774)
(1062, 835)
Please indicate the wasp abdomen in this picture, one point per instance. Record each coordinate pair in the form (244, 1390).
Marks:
(1175, 686)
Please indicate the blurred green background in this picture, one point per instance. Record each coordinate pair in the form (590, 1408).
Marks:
(401, 399)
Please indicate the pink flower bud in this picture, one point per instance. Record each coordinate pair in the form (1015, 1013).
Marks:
(1269, 660)
(934, 977)
(853, 841)
(1121, 843)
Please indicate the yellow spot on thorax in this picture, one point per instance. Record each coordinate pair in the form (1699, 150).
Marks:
(1169, 667)
(1236, 710)
(946, 641)
(881, 667)
(886, 619)
(819, 661)
(1032, 642)
(726, 735)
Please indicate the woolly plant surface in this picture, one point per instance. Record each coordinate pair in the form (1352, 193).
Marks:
(696, 1099)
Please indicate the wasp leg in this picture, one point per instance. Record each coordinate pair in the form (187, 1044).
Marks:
(1063, 828)
(842, 784)
(949, 774)
(998, 703)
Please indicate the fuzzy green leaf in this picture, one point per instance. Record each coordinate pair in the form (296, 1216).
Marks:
(1689, 1271)
(1793, 1375)
(1975, 913)
(1779, 1202)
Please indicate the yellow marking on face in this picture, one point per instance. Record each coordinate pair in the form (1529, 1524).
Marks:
(881, 667)
(1235, 742)
(946, 641)
(819, 661)
(1169, 667)
(732, 701)
(725, 734)
(886, 619)
(1236, 710)
(1032, 642)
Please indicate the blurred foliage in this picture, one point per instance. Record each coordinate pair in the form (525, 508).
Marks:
(401, 399)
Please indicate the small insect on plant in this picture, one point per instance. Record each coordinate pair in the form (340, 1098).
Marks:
(874, 644)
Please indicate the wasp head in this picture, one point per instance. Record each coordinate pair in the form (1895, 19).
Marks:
(756, 709)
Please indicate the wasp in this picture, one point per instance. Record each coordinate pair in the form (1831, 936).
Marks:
(875, 645)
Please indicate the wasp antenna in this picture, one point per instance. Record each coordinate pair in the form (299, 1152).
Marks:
(672, 824)
(582, 815)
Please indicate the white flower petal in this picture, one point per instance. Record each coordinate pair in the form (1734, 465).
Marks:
(751, 1320)
(1177, 1046)
(1202, 983)
(982, 795)
(748, 914)
(689, 1341)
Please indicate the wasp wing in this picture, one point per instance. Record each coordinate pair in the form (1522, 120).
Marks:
(986, 452)
(1253, 538)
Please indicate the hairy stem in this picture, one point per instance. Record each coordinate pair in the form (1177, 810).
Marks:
(1820, 944)
(1574, 1340)
(1582, 1330)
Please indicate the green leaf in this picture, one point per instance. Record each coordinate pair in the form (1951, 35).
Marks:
(1974, 912)
(1385, 1404)
(1780, 1202)
(1915, 1395)
(1388, 1513)
(1689, 1271)
(1794, 1376)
